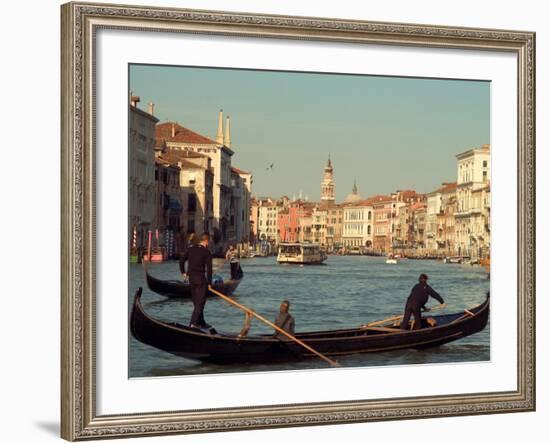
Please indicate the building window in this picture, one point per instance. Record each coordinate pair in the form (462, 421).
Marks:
(484, 163)
(484, 176)
(191, 202)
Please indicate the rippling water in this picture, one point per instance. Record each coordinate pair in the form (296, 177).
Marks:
(346, 292)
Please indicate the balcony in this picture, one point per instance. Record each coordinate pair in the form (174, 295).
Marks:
(463, 213)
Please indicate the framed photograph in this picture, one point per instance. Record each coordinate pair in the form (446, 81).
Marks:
(275, 221)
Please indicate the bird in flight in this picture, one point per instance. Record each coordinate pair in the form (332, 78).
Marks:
(270, 167)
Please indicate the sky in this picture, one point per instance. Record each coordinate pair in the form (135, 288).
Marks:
(388, 133)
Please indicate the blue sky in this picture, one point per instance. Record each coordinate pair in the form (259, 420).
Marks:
(387, 132)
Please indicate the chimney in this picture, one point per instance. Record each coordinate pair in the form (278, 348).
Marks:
(173, 130)
(134, 99)
(227, 132)
(151, 108)
(219, 134)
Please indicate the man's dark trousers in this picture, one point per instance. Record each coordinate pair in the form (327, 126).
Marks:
(412, 309)
(198, 294)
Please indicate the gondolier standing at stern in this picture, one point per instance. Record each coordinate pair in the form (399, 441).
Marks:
(417, 300)
(199, 271)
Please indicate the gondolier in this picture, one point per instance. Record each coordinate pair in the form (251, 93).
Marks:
(199, 271)
(417, 300)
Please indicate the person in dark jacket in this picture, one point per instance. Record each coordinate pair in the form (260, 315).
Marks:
(417, 300)
(285, 321)
(199, 271)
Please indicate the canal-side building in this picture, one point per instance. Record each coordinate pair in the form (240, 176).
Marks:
(141, 173)
(402, 226)
(382, 206)
(178, 138)
(473, 173)
(253, 221)
(480, 223)
(305, 228)
(242, 190)
(440, 210)
(196, 186)
(402, 236)
(288, 221)
(433, 211)
(267, 212)
(357, 232)
(418, 227)
(335, 214)
(446, 236)
(169, 210)
(319, 217)
(168, 196)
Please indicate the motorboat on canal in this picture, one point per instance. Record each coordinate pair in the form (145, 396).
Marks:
(300, 254)
(182, 289)
(458, 259)
(392, 260)
(225, 348)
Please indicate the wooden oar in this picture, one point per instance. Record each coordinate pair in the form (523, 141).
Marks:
(398, 317)
(274, 326)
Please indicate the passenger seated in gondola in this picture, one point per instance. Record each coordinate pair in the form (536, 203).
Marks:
(285, 321)
(417, 300)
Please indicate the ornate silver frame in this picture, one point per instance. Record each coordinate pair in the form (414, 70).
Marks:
(80, 21)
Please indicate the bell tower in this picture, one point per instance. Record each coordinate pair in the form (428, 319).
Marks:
(327, 185)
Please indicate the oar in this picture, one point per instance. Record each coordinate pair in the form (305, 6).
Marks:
(399, 317)
(274, 326)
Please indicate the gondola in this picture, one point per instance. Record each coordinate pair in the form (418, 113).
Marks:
(225, 348)
(181, 289)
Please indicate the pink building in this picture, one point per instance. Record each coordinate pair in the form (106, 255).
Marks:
(382, 226)
(288, 221)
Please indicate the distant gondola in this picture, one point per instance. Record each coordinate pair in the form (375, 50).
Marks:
(181, 289)
(224, 348)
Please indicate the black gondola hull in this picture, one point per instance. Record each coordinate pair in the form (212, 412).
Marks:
(180, 289)
(190, 343)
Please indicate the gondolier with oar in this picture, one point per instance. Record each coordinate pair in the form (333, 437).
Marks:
(199, 272)
(417, 300)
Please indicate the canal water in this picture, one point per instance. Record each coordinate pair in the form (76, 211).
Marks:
(344, 293)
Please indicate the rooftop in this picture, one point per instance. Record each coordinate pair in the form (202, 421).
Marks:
(181, 134)
(238, 171)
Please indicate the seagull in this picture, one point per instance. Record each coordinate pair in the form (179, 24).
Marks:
(270, 167)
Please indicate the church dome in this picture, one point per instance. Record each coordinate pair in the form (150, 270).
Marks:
(354, 195)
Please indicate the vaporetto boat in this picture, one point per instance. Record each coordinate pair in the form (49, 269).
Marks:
(300, 254)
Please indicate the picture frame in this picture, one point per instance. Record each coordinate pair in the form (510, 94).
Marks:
(80, 24)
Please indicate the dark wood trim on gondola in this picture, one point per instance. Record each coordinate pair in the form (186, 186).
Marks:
(181, 289)
(223, 348)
